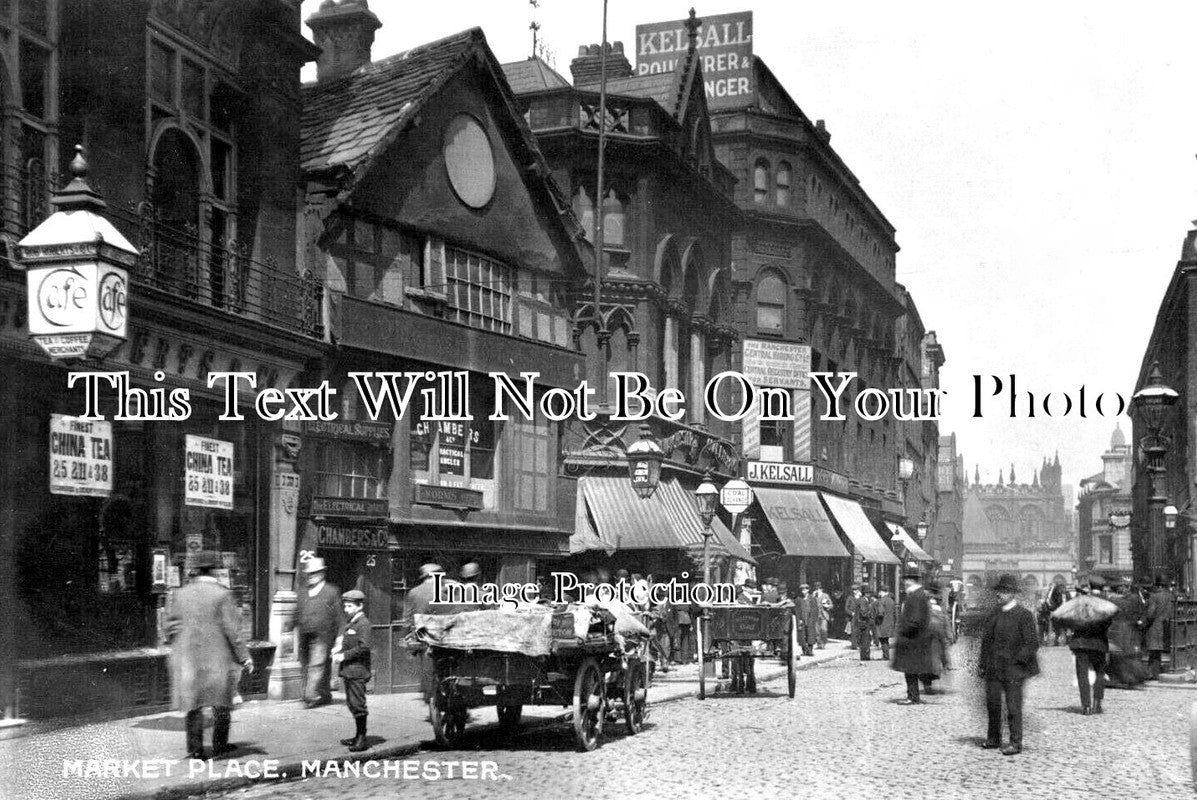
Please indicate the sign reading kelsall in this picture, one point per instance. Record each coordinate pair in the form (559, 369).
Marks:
(780, 472)
(725, 46)
(209, 473)
(78, 310)
(351, 507)
(781, 365)
(80, 456)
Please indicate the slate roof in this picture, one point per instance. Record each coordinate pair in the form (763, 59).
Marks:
(345, 121)
(533, 75)
(662, 87)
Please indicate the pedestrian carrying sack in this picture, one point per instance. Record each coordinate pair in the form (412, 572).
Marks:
(1085, 609)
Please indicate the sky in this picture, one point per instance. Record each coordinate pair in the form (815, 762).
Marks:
(1037, 160)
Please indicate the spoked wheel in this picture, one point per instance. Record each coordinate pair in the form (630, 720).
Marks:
(509, 716)
(792, 661)
(702, 672)
(590, 699)
(448, 716)
(635, 699)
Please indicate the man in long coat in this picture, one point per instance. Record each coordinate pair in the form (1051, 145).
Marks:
(1009, 644)
(207, 655)
(887, 620)
(808, 611)
(864, 621)
(318, 620)
(1160, 609)
(912, 648)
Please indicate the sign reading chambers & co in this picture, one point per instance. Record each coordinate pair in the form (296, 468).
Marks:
(352, 537)
(80, 456)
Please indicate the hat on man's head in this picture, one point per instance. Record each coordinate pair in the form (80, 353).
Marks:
(355, 595)
(804, 586)
(1095, 581)
(912, 575)
(314, 564)
(933, 587)
(430, 569)
(1007, 583)
(471, 570)
(207, 559)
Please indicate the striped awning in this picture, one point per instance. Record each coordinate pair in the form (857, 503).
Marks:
(907, 541)
(683, 509)
(856, 526)
(800, 523)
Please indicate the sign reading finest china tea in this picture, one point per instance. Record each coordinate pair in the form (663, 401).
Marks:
(208, 474)
(80, 456)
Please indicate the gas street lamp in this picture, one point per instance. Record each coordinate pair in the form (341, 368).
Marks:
(706, 496)
(1153, 401)
(644, 463)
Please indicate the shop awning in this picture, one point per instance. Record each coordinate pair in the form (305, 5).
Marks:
(800, 523)
(683, 509)
(907, 541)
(859, 530)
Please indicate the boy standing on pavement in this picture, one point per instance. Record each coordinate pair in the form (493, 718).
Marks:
(355, 665)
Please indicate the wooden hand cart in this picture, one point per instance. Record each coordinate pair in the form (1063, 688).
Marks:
(727, 632)
(598, 677)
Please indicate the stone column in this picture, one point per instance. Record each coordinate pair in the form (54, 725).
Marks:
(285, 677)
(697, 377)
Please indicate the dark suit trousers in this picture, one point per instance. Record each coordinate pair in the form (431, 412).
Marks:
(193, 723)
(355, 695)
(1090, 660)
(994, 690)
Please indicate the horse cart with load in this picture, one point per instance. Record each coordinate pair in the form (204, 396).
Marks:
(748, 631)
(577, 656)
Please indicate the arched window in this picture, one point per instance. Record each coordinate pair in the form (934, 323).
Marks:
(584, 210)
(783, 183)
(771, 303)
(176, 201)
(612, 220)
(760, 181)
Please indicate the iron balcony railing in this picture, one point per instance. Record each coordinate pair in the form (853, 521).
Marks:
(187, 262)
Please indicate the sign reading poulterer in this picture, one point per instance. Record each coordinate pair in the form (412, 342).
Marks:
(80, 456)
(209, 473)
(724, 43)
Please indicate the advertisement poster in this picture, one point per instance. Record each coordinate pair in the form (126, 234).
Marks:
(209, 476)
(529, 315)
(80, 456)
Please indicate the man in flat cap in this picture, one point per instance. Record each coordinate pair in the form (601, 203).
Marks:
(1009, 643)
(419, 601)
(355, 665)
(1090, 645)
(318, 621)
(207, 655)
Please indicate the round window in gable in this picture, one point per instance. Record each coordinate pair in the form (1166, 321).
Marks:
(470, 161)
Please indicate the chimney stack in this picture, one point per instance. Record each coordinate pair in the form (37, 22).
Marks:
(587, 67)
(344, 32)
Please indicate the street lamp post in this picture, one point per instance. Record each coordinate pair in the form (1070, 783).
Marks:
(644, 463)
(707, 495)
(1153, 401)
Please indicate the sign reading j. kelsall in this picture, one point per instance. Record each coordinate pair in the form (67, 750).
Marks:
(725, 45)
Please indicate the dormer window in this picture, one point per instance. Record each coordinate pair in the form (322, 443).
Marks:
(783, 184)
(760, 181)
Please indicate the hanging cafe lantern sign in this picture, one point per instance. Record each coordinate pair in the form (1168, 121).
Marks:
(644, 463)
(76, 266)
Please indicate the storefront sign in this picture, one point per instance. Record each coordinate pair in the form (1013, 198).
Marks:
(735, 496)
(724, 41)
(832, 480)
(208, 474)
(80, 456)
(351, 507)
(350, 430)
(451, 447)
(449, 496)
(780, 472)
(78, 310)
(782, 365)
(350, 537)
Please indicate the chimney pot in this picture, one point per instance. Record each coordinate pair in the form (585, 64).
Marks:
(587, 67)
(344, 32)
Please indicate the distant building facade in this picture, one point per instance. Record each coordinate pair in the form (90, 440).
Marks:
(1104, 513)
(946, 539)
(1021, 528)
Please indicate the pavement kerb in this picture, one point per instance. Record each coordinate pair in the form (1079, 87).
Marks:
(203, 787)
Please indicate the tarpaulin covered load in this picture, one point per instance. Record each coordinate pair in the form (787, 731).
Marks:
(1085, 609)
(530, 631)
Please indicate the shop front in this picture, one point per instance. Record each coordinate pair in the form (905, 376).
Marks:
(873, 563)
(797, 540)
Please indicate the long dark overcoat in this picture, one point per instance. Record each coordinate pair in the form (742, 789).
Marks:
(913, 645)
(1159, 616)
(887, 616)
(1019, 662)
(207, 650)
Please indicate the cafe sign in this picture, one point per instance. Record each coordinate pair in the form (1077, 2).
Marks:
(77, 280)
(80, 456)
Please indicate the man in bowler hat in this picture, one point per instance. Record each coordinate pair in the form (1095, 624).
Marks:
(913, 645)
(355, 665)
(207, 655)
(1009, 643)
(318, 620)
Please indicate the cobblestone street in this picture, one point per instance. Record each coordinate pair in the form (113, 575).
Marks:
(843, 736)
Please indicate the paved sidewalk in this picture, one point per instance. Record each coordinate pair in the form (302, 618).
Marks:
(143, 754)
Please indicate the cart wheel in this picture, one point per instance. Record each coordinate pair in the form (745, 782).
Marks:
(792, 661)
(509, 716)
(702, 672)
(448, 717)
(635, 699)
(589, 701)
